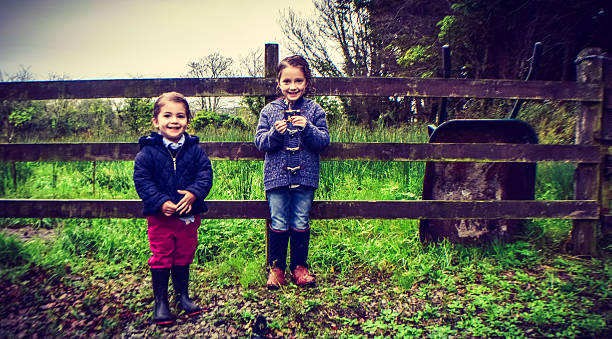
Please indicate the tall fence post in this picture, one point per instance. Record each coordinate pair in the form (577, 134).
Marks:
(606, 140)
(587, 177)
(270, 61)
(270, 64)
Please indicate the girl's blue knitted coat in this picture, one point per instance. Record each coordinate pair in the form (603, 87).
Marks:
(157, 179)
(288, 151)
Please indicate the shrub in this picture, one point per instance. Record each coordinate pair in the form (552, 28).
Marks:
(204, 119)
(253, 104)
(332, 107)
(137, 115)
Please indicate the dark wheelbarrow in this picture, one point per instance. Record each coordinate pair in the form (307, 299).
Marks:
(478, 180)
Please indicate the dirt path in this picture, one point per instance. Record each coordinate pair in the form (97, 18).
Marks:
(75, 306)
(27, 233)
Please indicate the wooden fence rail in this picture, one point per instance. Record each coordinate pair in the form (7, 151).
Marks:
(593, 141)
(417, 87)
(321, 209)
(336, 151)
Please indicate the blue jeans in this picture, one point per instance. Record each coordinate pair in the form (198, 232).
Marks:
(290, 208)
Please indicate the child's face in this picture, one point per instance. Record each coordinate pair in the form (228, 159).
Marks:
(292, 83)
(171, 120)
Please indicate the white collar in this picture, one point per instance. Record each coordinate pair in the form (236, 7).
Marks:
(174, 145)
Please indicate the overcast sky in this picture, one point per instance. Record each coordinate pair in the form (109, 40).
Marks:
(118, 39)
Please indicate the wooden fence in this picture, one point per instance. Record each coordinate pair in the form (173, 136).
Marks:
(589, 209)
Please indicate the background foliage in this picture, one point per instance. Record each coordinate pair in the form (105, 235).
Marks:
(488, 39)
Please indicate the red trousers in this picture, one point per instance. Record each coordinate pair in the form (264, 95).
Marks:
(172, 242)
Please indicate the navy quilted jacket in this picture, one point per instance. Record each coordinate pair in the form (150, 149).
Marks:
(157, 180)
(292, 150)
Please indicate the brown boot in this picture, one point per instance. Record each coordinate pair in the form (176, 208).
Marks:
(302, 277)
(276, 278)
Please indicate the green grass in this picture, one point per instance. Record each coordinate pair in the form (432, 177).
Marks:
(523, 289)
(12, 252)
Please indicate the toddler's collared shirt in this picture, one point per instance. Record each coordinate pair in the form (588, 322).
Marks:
(175, 146)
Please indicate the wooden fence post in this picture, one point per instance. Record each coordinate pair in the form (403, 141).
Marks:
(587, 177)
(606, 140)
(270, 61)
(270, 64)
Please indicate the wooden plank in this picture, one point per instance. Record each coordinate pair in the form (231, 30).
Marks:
(258, 209)
(134, 88)
(418, 87)
(446, 209)
(336, 151)
(460, 152)
(68, 152)
(459, 88)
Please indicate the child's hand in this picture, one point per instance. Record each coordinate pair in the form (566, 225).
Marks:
(298, 121)
(168, 208)
(281, 126)
(184, 206)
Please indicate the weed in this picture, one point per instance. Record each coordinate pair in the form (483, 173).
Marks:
(312, 304)
(12, 252)
(445, 331)
(247, 316)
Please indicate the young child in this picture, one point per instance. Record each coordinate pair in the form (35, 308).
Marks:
(172, 175)
(292, 131)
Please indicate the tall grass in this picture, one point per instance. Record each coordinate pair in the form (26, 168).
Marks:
(485, 289)
(338, 244)
(12, 252)
(554, 182)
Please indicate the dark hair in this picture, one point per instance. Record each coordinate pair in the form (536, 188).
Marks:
(174, 97)
(299, 62)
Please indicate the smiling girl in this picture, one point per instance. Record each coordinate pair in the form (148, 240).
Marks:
(292, 130)
(172, 176)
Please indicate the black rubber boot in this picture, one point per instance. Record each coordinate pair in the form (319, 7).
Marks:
(161, 313)
(180, 280)
(299, 248)
(277, 249)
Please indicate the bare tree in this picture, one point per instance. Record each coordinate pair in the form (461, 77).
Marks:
(23, 74)
(213, 65)
(58, 76)
(252, 64)
(341, 26)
